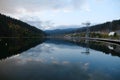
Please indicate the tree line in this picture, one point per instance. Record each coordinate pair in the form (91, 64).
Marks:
(10, 27)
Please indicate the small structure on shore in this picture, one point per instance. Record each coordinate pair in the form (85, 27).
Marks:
(112, 33)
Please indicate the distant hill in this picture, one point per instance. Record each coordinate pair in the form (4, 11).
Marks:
(105, 27)
(61, 31)
(10, 27)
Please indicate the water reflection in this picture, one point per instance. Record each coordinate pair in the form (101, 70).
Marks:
(36, 70)
(12, 46)
(87, 50)
(62, 60)
(107, 48)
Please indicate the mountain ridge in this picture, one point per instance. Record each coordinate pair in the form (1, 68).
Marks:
(11, 27)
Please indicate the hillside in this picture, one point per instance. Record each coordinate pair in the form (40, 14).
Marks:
(10, 27)
(96, 31)
(61, 31)
(104, 27)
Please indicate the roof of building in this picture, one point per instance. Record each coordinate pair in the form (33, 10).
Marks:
(111, 34)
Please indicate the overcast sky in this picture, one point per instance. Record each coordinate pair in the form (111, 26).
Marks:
(48, 14)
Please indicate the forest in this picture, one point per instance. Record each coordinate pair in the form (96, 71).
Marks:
(10, 27)
(104, 27)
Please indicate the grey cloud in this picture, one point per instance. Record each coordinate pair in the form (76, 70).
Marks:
(11, 6)
(6, 6)
(37, 22)
(78, 3)
(25, 10)
(41, 25)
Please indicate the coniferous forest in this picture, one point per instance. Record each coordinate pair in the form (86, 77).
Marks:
(10, 27)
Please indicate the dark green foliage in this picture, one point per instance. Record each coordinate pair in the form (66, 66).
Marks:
(102, 30)
(13, 46)
(105, 27)
(10, 27)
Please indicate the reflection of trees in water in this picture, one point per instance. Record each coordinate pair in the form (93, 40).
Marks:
(101, 46)
(12, 46)
(86, 47)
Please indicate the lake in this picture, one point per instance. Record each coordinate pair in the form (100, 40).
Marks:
(59, 60)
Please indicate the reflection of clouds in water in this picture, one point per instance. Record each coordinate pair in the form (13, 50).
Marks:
(66, 46)
(85, 66)
(99, 76)
(39, 53)
(65, 62)
(55, 62)
(42, 54)
(51, 62)
(56, 71)
(46, 48)
(52, 58)
(60, 63)
(23, 61)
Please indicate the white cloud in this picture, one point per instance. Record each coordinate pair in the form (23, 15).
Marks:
(44, 25)
(33, 10)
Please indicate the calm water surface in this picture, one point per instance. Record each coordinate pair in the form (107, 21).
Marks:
(61, 61)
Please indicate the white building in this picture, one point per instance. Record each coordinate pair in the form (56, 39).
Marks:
(112, 33)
